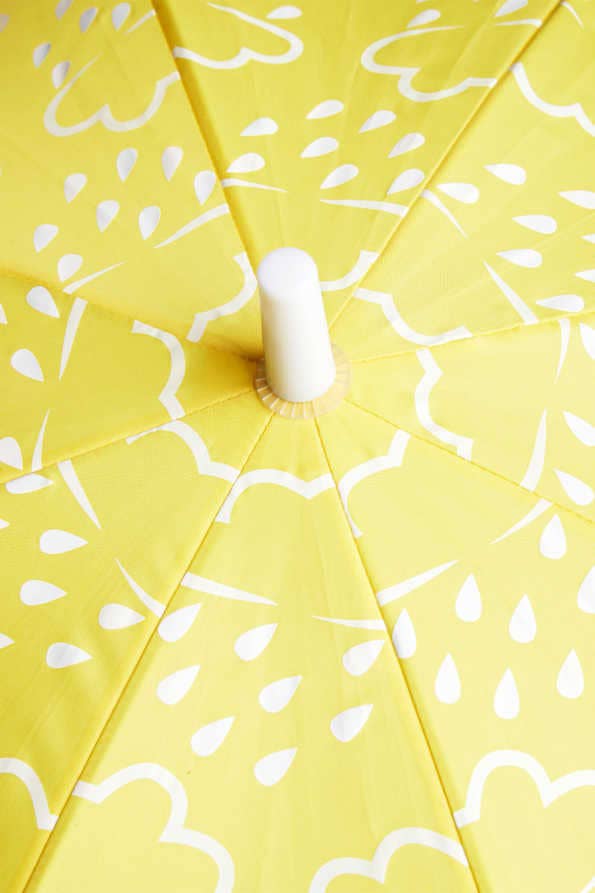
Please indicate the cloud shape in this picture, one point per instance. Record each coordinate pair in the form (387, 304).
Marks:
(175, 830)
(104, 114)
(375, 868)
(12, 766)
(549, 790)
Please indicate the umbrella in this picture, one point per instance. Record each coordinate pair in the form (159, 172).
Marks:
(327, 631)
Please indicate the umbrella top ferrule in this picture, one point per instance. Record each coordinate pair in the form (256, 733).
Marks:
(298, 355)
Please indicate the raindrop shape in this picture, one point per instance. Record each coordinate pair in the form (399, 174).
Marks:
(424, 18)
(56, 542)
(274, 697)
(26, 363)
(379, 119)
(171, 160)
(578, 491)
(342, 174)
(582, 430)
(448, 683)
(461, 192)
(209, 738)
(119, 15)
(204, 183)
(29, 483)
(59, 73)
(61, 654)
(260, 127)
(360, 658)
(407, 143)
(404, 638)
(538, 223)
(506, 698)
(177, 624)
(588, 338)
(148, 219)
(326, 109)
(63, 7)
(552, 543)
(587, 275)
(39, 592)
(87, 18)
(322, 146)
(522, 257)
(73, 185)
(5, 641)
(586, 593)
(68, 265)
(285, 12)
(10, 452)
(349, 723)
(523, 626)
(4, 19)
(43, 235)
(40, 53)
(508, 173)
(106, 212)
(564, 303)
(252, 643)
(114, 616)
(176, 686)
(125, 162)
(406, 180)
(270, 769)
(468, 603)
(570, 682)
(581, 197)
(246, 164)
(510, 6)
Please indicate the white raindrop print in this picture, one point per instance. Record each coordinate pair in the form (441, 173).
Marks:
(404, 638)
(506, 698)
(349, 723)
(276, 696)
(523, 626)
(448, 683)
(570, 682)
(468, 604)
(252, 643)
(552, 543)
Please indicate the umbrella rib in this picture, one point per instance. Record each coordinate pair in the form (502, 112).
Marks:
(500, 79)
(399, 665)
(56, 287)
(478, 465)
(503, 330)
(139, 660)
(117, 312)
(122, 437)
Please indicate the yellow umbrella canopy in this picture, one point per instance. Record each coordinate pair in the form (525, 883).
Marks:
(240, 652)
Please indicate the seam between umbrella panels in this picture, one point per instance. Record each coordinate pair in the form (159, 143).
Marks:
(496, 474)
(402, 672)
(490, 91)
(116, 312)
(120, 438)
(113, 710)
(155, 4)
(503, 330)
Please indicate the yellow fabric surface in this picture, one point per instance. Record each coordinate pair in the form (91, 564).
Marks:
(244, 653)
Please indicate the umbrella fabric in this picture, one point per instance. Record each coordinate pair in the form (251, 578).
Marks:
(240, 652)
